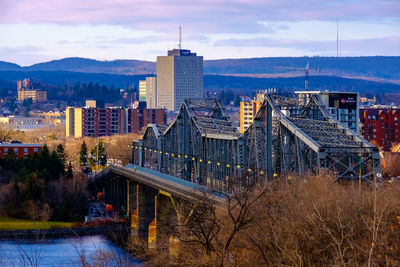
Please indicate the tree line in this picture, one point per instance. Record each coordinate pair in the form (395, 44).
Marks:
(42, 183)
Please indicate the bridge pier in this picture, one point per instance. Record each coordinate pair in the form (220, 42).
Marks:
(145, 211)
(161, 231)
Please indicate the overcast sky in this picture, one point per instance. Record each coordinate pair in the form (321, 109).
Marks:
(33, 31)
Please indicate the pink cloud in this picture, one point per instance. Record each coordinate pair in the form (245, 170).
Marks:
(207, 16)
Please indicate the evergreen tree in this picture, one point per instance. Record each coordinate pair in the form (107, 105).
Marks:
(69, 173)
(56, 167)
(61, 154)
(83, 154)
(44, 158)
(236, 103)
(101, 156)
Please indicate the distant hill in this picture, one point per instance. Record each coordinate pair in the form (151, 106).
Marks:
(370, 67)
(242, 85)
(7, 85)
(95, 66)
(8, 66)
(377, 67)
(246, 85)
(60, 78)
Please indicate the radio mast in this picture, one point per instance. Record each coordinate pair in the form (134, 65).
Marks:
(180, 38)
(337, 37)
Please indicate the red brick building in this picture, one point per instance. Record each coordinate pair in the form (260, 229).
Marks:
(380, 126)
(20, 150)
(99, 121)
(139, 118)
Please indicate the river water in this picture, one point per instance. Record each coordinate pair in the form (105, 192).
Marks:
(85, 251)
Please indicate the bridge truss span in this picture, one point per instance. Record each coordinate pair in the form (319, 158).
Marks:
(202, 146)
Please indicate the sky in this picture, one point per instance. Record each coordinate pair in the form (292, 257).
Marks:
(33, 31)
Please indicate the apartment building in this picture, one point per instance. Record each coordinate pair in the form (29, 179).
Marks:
(95, 121)
(248, 110)
(380, 126)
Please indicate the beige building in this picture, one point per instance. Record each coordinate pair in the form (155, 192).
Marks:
(248, 110)
(142, 90)
(151, 92)
(22, 123)
(35, 95)
(179, 77)
(51, 118)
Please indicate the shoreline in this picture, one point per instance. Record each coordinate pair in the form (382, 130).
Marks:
(59, 232)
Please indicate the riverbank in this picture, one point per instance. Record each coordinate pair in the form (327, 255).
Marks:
(13, 224)
(63, 232)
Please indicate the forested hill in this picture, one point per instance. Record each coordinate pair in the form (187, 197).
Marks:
(372, 67)
(242, 85)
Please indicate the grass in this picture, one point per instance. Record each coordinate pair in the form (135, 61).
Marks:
(8, 224)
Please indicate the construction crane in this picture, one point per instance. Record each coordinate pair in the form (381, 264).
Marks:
(306, 70)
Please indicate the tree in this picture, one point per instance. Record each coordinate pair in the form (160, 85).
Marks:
(5, 135)
(100, 155)
(236, 103)
(69, 173)
(83, 154)
(61, 153)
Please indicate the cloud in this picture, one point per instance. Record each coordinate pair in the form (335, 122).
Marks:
(206, 16)
(378, 46)
(23, 54)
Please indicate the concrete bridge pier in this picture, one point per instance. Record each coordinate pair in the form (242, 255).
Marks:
(145, 212)
(161, 232)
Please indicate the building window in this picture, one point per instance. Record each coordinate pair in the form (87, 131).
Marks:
(5, 151)
(16, 151)
(25, 151)
(35, 150)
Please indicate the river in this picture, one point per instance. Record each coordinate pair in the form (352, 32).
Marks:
(84, 251)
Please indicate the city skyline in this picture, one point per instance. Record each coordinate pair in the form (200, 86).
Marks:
(125, 29)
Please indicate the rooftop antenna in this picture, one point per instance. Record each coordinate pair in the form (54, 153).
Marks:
(180, 38)
(337, 37)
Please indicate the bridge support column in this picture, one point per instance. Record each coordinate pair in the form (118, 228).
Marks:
(146, 210)
(132, 206)
(165, 223)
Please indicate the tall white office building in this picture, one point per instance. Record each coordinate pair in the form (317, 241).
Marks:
(179, 77)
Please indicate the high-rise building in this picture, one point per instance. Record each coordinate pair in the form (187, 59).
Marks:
(151, 92)
(248, 110)
(103, 121)
(179, 77)
(142, 90)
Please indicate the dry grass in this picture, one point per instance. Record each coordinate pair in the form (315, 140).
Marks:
(7, 224)
(299, 222)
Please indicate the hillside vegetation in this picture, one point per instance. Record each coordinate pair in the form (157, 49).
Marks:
(376, 67)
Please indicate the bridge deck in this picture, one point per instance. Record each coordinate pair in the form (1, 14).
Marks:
(161, 181)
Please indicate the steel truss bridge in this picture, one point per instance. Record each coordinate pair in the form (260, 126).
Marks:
(202, 146)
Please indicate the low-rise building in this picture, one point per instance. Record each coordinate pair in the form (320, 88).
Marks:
(20, 150)
(381, 126)
(29, 88)
(50, 118)
(22, 123)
